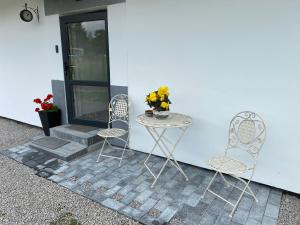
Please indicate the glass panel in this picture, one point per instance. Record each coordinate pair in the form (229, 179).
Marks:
(91, 103)
(87, 54)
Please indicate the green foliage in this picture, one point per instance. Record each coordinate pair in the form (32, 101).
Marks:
(66, 219)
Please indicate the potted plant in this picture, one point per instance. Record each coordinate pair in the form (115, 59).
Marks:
(160, 102)
(50, 114)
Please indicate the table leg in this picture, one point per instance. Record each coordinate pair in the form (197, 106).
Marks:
(176, 164)
(159, 141)
(155, 145)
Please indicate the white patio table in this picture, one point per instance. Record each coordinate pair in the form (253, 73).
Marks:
(157, 129)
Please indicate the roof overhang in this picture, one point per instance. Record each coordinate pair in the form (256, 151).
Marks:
(68, 6)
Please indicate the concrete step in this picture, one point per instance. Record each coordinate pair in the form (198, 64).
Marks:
(84, 138)
(66, 152)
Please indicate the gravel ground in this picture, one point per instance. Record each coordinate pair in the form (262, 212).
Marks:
(28, 199)
(13, 133)
(289, 213)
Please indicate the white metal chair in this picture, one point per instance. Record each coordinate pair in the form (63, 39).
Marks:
(118, 112)
(247, 132)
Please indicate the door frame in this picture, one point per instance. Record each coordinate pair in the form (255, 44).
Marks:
(77, 18)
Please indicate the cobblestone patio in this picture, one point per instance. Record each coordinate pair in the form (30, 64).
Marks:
(127, 189)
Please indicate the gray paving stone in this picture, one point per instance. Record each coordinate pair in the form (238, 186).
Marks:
(31, 163)
(24, 150)
(149, 220)
(234, 223)
(257, 212)
(142, 197)
(189, 189)
(100, 183)
(85, 178)
(251, 221)
(143, 186)
(134, 213)
(39, 167)
(240, 216)
(99, 170)
(5, 152)
(193, 200)
(50, 162)
(68, 184)
(246, 203)
(268, 221)
(173, 195)
(126, 189)
(224, 219)
(148, 205)
(112, 181)
(48, 170)
(139, 180)
(217, 206)
(129, 198)
(110, 203)
(61, 169)
(167, 214)
(43, 174)
(69, 174)
(189, 215)
(161, 205)
(55, 178)
(208, 219)
(272, 211)
(112, 191)
(159, 193)
(14, 150)
(208, 198)
(171, 184)
(275, 197)
(262, 196)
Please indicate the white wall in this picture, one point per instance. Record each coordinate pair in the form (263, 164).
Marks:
(220, 57)
(28, 61)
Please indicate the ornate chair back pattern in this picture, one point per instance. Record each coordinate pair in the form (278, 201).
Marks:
(247, 131)
(118, 108)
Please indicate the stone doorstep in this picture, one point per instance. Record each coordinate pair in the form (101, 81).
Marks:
(67, 152)
(83, 138)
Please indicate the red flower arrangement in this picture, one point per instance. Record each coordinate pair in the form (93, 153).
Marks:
(46, 105)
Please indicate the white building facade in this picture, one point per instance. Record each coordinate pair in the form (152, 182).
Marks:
(217, 57)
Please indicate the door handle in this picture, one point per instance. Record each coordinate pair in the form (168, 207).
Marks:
(68, 67)
(65, 69)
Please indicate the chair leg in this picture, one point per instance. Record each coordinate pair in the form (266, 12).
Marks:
(229, 184)
(238, 201)
(253, 195)
(249, 192)
(124, 149)
(226, 182)
(100, 153)
(210, 183)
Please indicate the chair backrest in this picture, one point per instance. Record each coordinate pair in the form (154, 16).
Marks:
(118, 108)
(247, 131)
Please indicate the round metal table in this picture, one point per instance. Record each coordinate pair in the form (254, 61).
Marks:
(157, 129)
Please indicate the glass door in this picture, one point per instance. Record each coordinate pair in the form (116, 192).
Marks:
(86, 67)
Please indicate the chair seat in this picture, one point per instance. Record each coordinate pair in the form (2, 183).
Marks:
(111, 132)
(225, 164)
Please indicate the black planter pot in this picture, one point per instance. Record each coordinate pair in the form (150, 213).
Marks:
(50, 119)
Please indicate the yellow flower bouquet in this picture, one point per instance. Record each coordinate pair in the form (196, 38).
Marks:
(159, 100)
